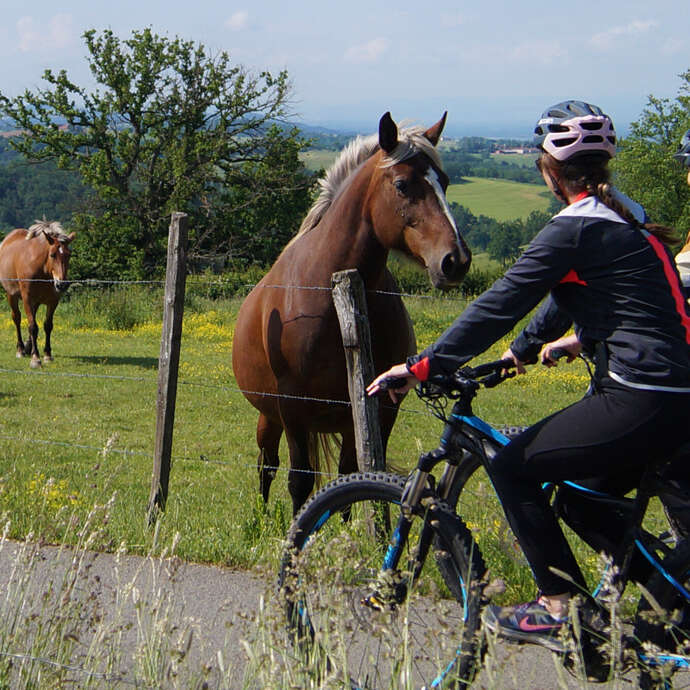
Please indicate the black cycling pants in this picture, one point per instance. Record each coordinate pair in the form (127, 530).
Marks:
(608, 438)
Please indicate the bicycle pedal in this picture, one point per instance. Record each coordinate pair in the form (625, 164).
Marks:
(372, 602)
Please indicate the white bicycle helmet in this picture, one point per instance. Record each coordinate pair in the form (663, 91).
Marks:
(572, 128)
(683, 154)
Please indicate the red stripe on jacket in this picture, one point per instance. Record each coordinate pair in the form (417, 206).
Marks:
(674, 283)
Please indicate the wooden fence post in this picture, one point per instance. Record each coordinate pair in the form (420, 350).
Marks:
(168, 363)
(351, 306)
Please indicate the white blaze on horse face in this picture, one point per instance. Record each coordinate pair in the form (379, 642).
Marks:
(58, 267)
(432, 178)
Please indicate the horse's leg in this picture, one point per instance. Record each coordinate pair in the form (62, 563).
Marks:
(347, 462)
(32, 343)
(300, 476)
(48, 328)
(268, 435)
(17, 318)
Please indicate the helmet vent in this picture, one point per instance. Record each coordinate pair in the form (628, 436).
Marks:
(592, 139)
(559, 143)
(558, 128)
(591, 126)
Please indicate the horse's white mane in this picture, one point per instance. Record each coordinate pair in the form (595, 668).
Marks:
(52, 228)
(411, 141)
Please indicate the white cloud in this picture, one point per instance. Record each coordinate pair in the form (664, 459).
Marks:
(238, 21)
(34, 38)
(604, 39)
(28, 34)
(540, 52)
(61, 30)
(367, 52)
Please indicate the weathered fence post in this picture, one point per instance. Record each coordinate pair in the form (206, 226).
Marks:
(350, 304)
(168, 363)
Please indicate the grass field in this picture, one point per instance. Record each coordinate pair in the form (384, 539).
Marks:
(524, 160)
(80, 432)
(499, 199)
(318, 159)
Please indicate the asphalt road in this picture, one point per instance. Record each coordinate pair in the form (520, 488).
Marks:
(188, 622)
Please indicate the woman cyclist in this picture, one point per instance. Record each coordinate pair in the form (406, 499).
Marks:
(608, 273)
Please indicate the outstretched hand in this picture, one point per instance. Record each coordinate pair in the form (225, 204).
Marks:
(519, 364)
(398, 371)
(568, 344)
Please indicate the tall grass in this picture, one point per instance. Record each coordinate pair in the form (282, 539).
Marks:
(59, 626)
(76, 458)
(83, 427)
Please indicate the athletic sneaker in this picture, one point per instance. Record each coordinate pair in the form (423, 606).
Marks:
(529, 622)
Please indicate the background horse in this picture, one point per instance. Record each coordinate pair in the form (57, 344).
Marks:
(383, 192)
(33, 266)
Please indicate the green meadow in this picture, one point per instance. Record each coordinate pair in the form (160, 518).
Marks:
(79, 432)
(499, 199)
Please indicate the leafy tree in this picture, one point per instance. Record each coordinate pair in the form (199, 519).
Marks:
(534, 222)
(504, 245)
(644, 168)
(30, 192)
(168, 128)
(256, 213)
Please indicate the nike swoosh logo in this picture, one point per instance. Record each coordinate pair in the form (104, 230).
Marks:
(525, 625)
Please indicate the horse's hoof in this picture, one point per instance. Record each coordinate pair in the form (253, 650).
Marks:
(47, 358)
(35, 363)
(20, 354)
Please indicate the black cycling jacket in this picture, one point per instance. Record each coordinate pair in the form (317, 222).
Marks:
(618, 284)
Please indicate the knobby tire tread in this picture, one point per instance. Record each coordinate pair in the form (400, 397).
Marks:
(454, 550)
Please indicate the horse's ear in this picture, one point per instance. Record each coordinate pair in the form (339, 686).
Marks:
(388, 133)
(433, 134)
(50, 238)
(70, 237)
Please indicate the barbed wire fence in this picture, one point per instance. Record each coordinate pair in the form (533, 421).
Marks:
(226, 388)
(230, 389)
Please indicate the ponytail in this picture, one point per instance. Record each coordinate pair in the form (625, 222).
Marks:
(605, 194)
(590, 173)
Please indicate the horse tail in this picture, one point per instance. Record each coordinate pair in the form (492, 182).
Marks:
(323, 452)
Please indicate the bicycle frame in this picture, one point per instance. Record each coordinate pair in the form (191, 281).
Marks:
(468, 439)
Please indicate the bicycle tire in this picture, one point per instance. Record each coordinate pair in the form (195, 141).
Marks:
(331, 564)
(473, 498)
(662, 625)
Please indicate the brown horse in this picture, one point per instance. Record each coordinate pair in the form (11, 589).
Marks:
(33, 266)
(384, 192)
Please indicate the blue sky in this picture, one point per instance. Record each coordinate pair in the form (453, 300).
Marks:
(493, 65)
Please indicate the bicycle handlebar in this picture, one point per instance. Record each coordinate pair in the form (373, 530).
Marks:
(467, 378)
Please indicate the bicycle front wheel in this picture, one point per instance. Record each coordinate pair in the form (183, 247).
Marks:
(363, 610)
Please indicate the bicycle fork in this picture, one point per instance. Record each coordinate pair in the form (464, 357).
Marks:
(397, 586)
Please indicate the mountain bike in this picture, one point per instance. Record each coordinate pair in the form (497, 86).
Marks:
(383, 582)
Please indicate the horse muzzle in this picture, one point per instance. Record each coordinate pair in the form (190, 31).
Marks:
(61, 285)
(451, 269)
